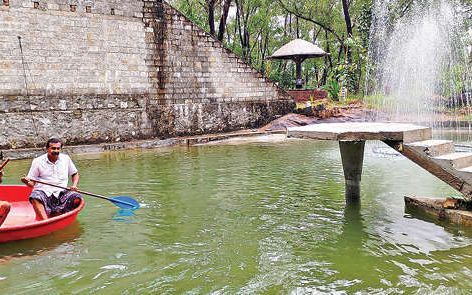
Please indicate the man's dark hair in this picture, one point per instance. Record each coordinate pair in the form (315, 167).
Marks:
(53, 140)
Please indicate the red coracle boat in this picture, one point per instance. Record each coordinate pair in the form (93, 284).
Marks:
(21, 222)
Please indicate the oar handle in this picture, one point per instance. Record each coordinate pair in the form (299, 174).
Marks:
(66, 188)
(85, 193)
(4, 163)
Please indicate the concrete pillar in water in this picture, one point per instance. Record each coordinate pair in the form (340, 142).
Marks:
(352, 156)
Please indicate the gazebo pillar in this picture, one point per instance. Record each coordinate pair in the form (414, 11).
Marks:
(299, 81)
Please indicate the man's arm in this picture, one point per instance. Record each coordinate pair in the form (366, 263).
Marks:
(75, 181)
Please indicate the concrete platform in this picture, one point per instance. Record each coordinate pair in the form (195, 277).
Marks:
(414, 142)
(352, 137)
(360, 131)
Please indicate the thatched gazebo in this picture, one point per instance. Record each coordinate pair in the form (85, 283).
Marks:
(298, 50)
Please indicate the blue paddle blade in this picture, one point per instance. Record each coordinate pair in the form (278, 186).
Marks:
(125, 202)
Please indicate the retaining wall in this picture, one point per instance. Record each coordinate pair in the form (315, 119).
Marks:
(105, 71)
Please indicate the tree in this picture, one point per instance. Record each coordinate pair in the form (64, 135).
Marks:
(224, 17)
(259, 27)
(347, 20)
(211, 15)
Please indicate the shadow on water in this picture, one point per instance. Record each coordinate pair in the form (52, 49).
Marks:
(37, 246)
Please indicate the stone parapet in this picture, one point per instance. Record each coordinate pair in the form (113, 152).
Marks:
(103, 7)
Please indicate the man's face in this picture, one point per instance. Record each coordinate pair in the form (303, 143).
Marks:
(54, 149)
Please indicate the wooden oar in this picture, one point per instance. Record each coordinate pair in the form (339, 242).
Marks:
(1, 167)
(4, 163)
(123, 202)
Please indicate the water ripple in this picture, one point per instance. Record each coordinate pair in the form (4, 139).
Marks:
(246, 219)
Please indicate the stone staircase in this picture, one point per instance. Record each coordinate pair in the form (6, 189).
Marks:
(440, 158)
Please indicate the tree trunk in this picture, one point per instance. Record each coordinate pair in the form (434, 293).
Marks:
(238, 22)
(211, 16)
(328, 62)
(224, 16)
(244, 36)
(347, 20)
(290, 25)
(286, 24)
(264, 53)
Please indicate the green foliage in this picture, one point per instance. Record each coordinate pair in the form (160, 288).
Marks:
(194, 10)
(375, 101)
(454, 81)
(364, 22)
(269, 24)
(333, 89)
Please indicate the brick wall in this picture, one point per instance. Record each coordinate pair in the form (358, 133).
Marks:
(101, 71)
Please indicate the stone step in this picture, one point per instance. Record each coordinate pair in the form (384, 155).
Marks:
(456, 160)
(433, 148)
(465, 174)
(466, 169)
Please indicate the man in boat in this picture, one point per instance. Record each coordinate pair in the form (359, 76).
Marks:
(55, 168)
(4, 206)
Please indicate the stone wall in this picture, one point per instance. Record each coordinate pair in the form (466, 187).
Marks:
(102, 71)
(86, 75)
(72, 52)
(204, 87)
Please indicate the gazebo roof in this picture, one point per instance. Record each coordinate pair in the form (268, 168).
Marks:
(298, 48)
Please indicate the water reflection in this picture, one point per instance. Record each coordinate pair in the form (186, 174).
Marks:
(459, 232)
(39, 246)
(351, 252)
(462, 136)
(124, 215)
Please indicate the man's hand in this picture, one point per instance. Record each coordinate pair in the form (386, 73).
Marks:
(27, 181)
(73, 188)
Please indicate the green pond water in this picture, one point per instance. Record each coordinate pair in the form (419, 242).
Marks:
(261, 218)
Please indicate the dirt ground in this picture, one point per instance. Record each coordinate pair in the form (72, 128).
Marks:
(350, 113)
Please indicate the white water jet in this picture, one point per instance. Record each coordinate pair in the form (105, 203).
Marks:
(420, 64)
